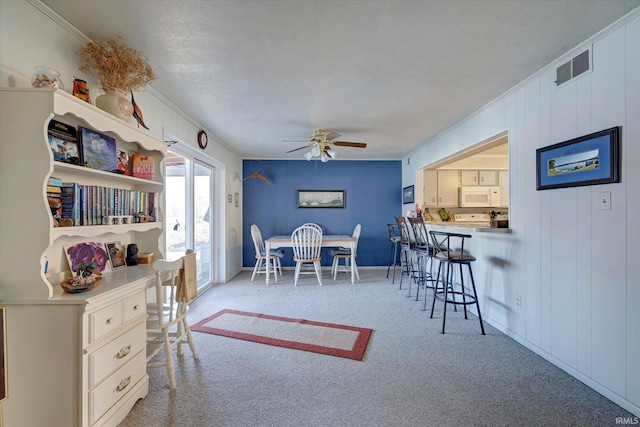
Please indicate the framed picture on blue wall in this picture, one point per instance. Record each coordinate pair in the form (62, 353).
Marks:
(587, 160)
(407, 195)
(321, 199)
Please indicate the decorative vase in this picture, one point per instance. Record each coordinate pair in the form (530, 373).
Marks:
(114, 102)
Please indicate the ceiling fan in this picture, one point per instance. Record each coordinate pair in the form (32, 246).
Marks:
(320, 143)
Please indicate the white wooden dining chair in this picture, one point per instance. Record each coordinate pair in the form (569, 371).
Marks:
(306, 242)
(262, 260)
(345, 254)
(167, 327)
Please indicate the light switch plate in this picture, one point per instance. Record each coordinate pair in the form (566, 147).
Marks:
(605, 200)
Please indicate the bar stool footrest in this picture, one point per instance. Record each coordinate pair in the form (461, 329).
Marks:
(468, 298)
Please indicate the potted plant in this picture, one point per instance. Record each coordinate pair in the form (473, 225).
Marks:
(119, 70)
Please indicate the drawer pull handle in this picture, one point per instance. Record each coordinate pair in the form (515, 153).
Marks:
(109, 320)
(123, 384)
(135, 307)
(123, 352)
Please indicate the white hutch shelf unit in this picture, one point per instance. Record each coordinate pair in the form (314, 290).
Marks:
(72, 359)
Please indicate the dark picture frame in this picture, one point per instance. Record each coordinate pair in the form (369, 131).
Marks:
(332, 199)
(116, 255)
(98, 150)
(3, 354)
(587, 160)
(408, 195)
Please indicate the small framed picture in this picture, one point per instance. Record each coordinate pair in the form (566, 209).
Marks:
(236, 198)
(87, 257)
(116, 255)
(407, 195)
(98, 150)
(123, 162)
(229, 198)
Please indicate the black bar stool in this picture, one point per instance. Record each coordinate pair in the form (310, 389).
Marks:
(424, 257)
(406, 261)
(449, 252)
(394, 239)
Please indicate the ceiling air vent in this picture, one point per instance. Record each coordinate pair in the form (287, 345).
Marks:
(578, 65)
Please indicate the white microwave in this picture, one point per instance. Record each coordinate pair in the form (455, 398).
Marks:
(478, 197)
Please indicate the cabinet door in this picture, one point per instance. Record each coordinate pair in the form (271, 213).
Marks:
(469, 177)
(448, 183)
(488, 177)
(504, 188)
(430, 188)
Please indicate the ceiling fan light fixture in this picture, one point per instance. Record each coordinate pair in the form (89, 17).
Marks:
(308, 155)
(332, 153)
(324, 159)
(315, 151)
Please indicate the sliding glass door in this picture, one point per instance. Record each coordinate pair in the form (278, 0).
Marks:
(189, 196)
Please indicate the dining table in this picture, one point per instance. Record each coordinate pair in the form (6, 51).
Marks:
(328, 241)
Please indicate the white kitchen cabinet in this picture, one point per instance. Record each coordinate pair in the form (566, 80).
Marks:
(73, 359)
(430, 188)
(503, 181)
(475, 177)
(441, 187)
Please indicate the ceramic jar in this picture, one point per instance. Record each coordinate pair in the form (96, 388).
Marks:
(114, 102)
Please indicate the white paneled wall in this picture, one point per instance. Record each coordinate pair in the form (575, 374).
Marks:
(574, 268)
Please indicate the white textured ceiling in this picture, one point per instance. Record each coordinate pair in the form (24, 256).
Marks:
(390, 73)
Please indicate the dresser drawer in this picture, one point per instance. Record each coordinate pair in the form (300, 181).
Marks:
(134, 306)
(105, 321)
(115, 354)
(116, 387)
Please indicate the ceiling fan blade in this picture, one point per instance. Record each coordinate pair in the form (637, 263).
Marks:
(300, 148)
(331, 136)
(349, 144)
(294, 140)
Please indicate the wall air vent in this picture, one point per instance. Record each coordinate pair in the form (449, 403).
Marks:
(573, 68)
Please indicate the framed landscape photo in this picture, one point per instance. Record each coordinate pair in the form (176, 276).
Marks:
(321, 199)
(116, 255)
(407, 195)
(99, 150)
(587, 160)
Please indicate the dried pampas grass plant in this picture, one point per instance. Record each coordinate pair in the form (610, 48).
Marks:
(116, 65)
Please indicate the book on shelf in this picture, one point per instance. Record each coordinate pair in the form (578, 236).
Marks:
(98, 150)
(63, 142)
(70, 198)
(143, 166)
(93, 204)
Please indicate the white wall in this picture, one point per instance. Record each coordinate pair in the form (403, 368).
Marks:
(30, 36)
(574, 267)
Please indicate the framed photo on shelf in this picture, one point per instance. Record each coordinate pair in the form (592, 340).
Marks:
(98, 150)
(407, 195)
(587, 160)
(321, 199)
(116, 255)
(123, 162)
(88, 257)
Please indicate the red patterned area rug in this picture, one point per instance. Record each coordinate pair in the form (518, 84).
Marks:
(325, 338)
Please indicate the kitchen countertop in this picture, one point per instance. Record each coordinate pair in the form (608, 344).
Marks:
(466, 226)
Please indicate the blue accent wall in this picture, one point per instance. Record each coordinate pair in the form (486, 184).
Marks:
(373, 198)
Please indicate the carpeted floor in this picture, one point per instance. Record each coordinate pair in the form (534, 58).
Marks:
(411, 374)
